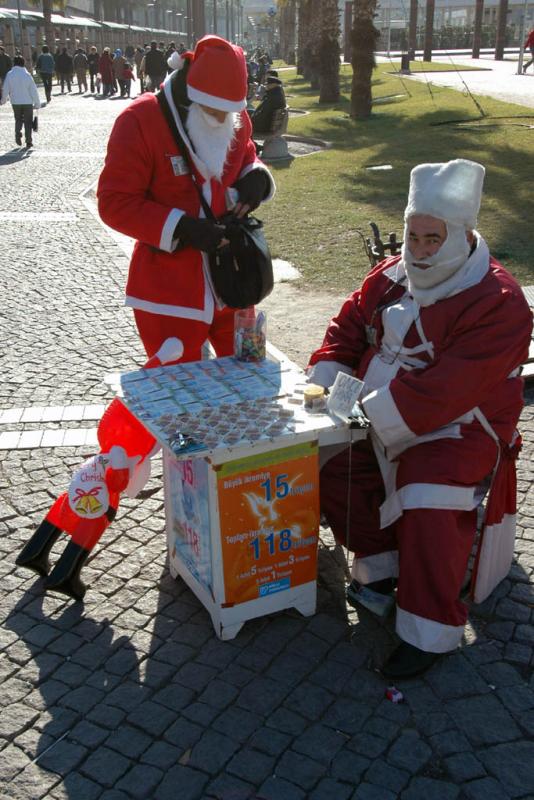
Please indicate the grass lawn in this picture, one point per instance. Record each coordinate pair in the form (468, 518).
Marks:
(323, 199)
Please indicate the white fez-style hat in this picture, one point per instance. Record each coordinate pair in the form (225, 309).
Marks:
(451, 191)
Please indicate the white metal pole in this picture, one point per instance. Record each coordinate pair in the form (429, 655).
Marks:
(522, 39)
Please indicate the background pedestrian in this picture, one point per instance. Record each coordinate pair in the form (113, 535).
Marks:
(20, 88)
(46, 67)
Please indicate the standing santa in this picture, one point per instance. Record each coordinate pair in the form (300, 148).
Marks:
(146, 191)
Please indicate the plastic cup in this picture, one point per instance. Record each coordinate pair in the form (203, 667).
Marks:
(250, 335)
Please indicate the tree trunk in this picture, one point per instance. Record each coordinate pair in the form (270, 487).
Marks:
(347, 54)
(50, 36)
(477, 30)
(501, 30)
(328, 52)
(429, 30)
(288, 20)
(364, 39)
(312, 43)
(412, 30)
(303, 36)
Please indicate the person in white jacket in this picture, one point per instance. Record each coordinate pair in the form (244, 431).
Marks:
(20, 87)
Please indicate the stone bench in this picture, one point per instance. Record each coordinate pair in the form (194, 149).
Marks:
(275, 147)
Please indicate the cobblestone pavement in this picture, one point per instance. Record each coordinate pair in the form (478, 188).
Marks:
(131, 695)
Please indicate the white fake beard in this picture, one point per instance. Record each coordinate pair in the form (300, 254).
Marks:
(450, 257)
(211, 139)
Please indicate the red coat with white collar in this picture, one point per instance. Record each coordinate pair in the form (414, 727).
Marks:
(479, 337)
(143, 191)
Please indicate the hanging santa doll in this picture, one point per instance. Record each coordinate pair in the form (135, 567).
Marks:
(90, 504)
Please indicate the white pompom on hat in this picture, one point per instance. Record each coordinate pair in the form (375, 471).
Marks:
(175, 60)
(217, 75)
(451, 191)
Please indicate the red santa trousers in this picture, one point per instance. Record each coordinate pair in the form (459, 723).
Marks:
(155, 328)
(426, 547)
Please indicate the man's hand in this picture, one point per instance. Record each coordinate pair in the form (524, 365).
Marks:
(357, 417)
(202, 234)
(252, 189)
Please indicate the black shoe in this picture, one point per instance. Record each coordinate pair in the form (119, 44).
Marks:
(408, 661)
(65, 577)
(29, 145)
(18, 139)
(34, 554)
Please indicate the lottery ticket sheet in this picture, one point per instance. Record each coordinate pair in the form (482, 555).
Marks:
(199, 407)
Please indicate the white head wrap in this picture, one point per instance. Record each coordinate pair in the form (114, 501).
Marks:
(450, 192)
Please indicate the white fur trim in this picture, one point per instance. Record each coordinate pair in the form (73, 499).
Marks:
(199, 314)
(452, 431)
(386, 420)
(426, 495)
(495, 559)
(438, 495)
(211, 101)
(139, 478)
(171, 350)
(117, 457)
(175, 61)
(324, 372)
(166, 241)
(257, 164)
(376, 568)
(427, 634)
(396, 272)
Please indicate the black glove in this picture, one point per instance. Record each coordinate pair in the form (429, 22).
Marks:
(253, 188)
(202, 234)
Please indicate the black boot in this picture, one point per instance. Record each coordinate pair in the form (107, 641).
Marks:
(65, 577)
(407, 661)
(34, 554)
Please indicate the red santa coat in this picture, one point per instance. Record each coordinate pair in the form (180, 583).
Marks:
(443, 395)
(476, 339)
(144, 190)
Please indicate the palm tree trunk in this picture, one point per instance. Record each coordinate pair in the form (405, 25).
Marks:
(288, 12)
(49, 34)
(329, 52)
(477, 29)
(429, 30)
(364, 39)
(303, 36)
(500, 39)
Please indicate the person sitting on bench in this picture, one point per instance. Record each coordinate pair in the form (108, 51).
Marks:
(438, 336)
(273, 101)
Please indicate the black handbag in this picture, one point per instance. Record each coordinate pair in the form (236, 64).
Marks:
(35, 123)
(242, 271)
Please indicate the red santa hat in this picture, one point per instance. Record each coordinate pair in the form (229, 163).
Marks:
(217, 75)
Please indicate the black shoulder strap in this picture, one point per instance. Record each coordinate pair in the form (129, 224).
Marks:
(171, 122)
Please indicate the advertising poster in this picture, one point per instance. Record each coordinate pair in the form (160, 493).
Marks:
(269, 521)
(188, 482)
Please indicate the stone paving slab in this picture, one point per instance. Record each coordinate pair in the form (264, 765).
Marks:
(131, 695)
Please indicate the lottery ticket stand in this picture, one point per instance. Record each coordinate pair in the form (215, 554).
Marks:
(241, 481)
